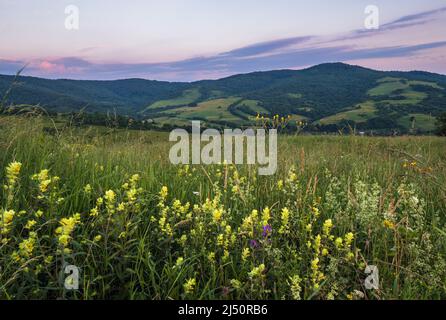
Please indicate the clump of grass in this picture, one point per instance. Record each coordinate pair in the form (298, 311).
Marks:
(108, 202)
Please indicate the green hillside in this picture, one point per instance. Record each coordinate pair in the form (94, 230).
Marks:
(327, 96)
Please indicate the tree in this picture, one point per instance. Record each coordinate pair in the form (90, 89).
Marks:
(441, 124)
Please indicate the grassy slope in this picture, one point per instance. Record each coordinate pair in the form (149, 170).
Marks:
(142, 265)
(188, 96)
(363, 113)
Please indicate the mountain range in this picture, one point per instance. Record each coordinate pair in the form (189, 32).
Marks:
(325, 96)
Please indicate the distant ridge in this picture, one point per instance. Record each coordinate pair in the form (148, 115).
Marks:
(328, 94)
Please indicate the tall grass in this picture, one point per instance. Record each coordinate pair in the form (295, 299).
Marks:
(336, 205)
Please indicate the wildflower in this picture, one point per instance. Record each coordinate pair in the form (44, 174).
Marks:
(67, 226)
(12, 172)
(338, 242)
(87, 189)
(309, 227)
(292, 176)
(316, 211)
(30, 224)
(236, 284)
(121, 207)
(317, 243)
(163, 192)
(220, 239)
(324, 252)
(285, 218)
(94, 212)
(225, 255)
(6, 221)
(348, 239)
(189, 286)
(179, 261)
(267, 230)
(43, 186)
(314, 264)
(134, 179)
(266, 215)
(217, 215)
(280, 185)
(211, 257)
(183, 239)
(253, 244)
(110, 196)
(257, 271)
(97, 238)
(26, 247)
(295, 287)
(328, 224)
(245, 254)
(388, 224)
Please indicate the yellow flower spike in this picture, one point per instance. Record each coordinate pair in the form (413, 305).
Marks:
(285, 219)
(217, 215)
(328, 225)
(309, 227)
(87, 189)
(266, 215)
(164, 192)
(12, 172)
(245, 254)
(30, 224)
(110, 196)
(211, 257)
(6, 220)
(257, 271)
(338, 242)
(189, 286)
(179, 261)
(388, 224)
(348, 239)
(315, 264)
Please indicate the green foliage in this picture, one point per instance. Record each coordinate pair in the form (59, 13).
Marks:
(108, 201)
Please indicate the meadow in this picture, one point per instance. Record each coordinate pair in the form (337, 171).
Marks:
(109, 202)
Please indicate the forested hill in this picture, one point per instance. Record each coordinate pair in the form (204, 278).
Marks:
(327, 95)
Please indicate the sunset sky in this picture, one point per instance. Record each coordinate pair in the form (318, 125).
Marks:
(186, 40)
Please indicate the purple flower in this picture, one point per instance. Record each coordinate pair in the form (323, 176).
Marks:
(253, 244)
(267, 230)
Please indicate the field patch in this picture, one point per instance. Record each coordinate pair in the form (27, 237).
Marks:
(418, 121)
(400, 91)
(188, 96)
(362, 113)
(211, 110)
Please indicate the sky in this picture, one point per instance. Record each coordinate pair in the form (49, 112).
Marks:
(188, 40)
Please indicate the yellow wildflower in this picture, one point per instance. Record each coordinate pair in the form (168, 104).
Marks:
(189, 286)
